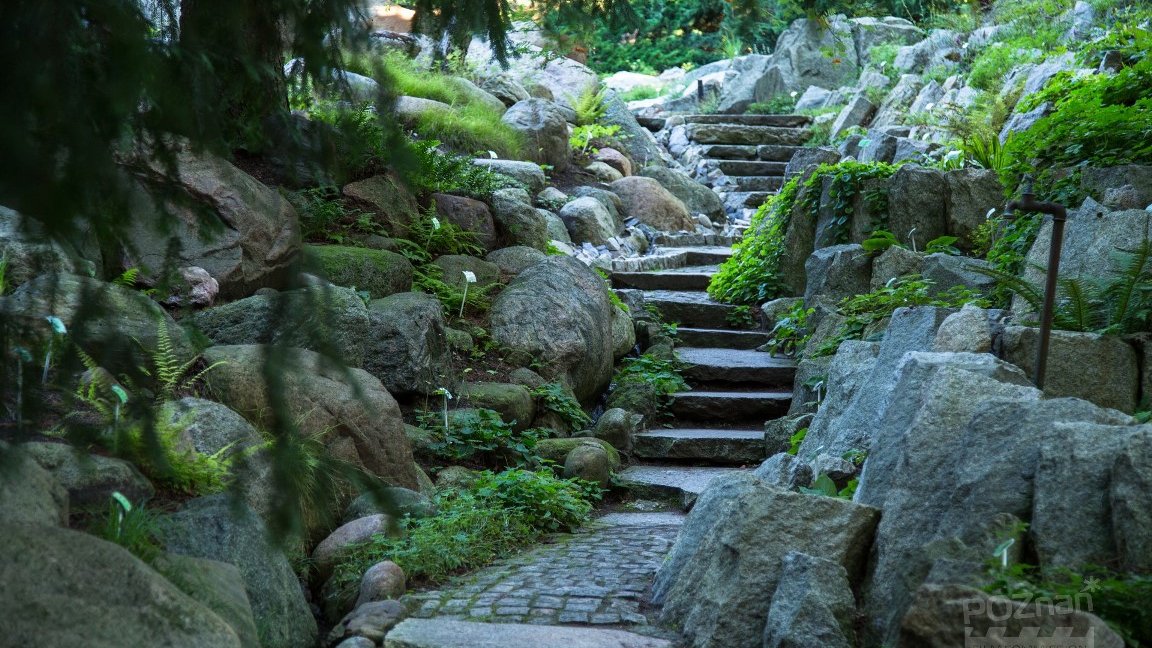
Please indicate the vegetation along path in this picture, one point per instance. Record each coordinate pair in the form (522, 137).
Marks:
(600, 577)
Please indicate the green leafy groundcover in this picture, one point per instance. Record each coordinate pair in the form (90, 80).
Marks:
(751, 276)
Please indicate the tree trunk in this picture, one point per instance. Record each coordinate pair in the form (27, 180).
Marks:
(234, 51)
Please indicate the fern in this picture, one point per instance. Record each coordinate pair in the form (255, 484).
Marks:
(127, 278)
(170, 374)
(1078, 309)
(1128, 296)
(590, 107)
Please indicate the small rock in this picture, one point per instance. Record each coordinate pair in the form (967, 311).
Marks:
(333, 548)
(371, 621)
(384, 580)
(589, 462)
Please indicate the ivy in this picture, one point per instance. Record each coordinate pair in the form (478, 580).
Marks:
(751, 276)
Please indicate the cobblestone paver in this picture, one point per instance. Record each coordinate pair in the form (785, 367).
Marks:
(599, 575)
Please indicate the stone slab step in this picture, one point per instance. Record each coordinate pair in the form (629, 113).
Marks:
(731, 406)
(702, 133)
(758, 183)
(737, 201)
(751, 168)
(776, 152)
(453, 633)
(735, 447)
(689, 308)
(721, 338)
(694, 240)
(683, 483)
(783, 121)
(696, 278)
(730, 152)
(639, 519)
(708, 255)
(734, 367)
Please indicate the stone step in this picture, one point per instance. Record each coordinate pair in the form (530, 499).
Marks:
(454, 633)
(735, 201)
(702, 133)
(683, 483)
(689, 308)
(712, 255)
(733, 447)
(694, 239)
(782, 121)
(751, 168)
(731, 406)
(695, 278)
(721, 338)
(759, 183)
(776, 152)
(735, 367)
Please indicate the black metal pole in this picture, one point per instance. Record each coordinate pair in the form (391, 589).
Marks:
(1059, 215)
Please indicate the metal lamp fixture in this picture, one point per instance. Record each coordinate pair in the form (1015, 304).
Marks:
(1028, 203)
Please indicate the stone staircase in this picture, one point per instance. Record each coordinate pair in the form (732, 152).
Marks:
(718, 426)
(741, 157)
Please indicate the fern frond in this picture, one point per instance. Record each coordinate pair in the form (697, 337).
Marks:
(127, 278)
(1017, 285)
(190, 382)
(1130, 287)
(1079, 310)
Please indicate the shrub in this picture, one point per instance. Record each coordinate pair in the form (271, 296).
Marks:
(590, 107)
(791, 332)
(481, 437)
(583, 137)
(135, 528)
(866, 310)
(663, 375)
(554, 398)
(439, 172)
(751, 276)
(505, 512)
(994, 62)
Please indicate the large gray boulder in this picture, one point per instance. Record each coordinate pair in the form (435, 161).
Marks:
(243, 233)
(66, 588)
(545, 132)
(916, 201)
(721, 594)
(1073, 476)
(1092, 236)
(635, 140)
(517, 221)
(407, 345)
(27, 255)
(1131, 514)
(812, 606)
(214, 528)
(695, 196)
(317, 317)
(350, 410)
(564, 79)
(1112, 185)
(947, 271)
(469, 215)
(1112, 363)
(967, 430)
(528, 175)
(557, 312)
(837, 272)
(515, 259)
(816, 53)
(119, 327)
(972, 193)
(646, 200)
(588, 221)
(378, 272)
(90, 479)
(933, 50)
(857, 112)
(216, 585)
(895, 105)
(944, 616)
(396, 208)
(29, 494)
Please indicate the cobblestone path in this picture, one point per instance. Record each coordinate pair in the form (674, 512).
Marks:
(599, 575)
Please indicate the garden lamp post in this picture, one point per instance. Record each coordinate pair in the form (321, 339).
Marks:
(1028, 203)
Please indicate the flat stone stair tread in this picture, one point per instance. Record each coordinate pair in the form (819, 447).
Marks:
(737, 447)
(782, 121)
(691, 308)
(731, 406)
(734, 366)
(708, 255)
(688, 278)
(454, 633)
(746, 168)
(735, 133)
(641, 519)
(721, 338)
(745, 199)
(682, 482)
(758, 183)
